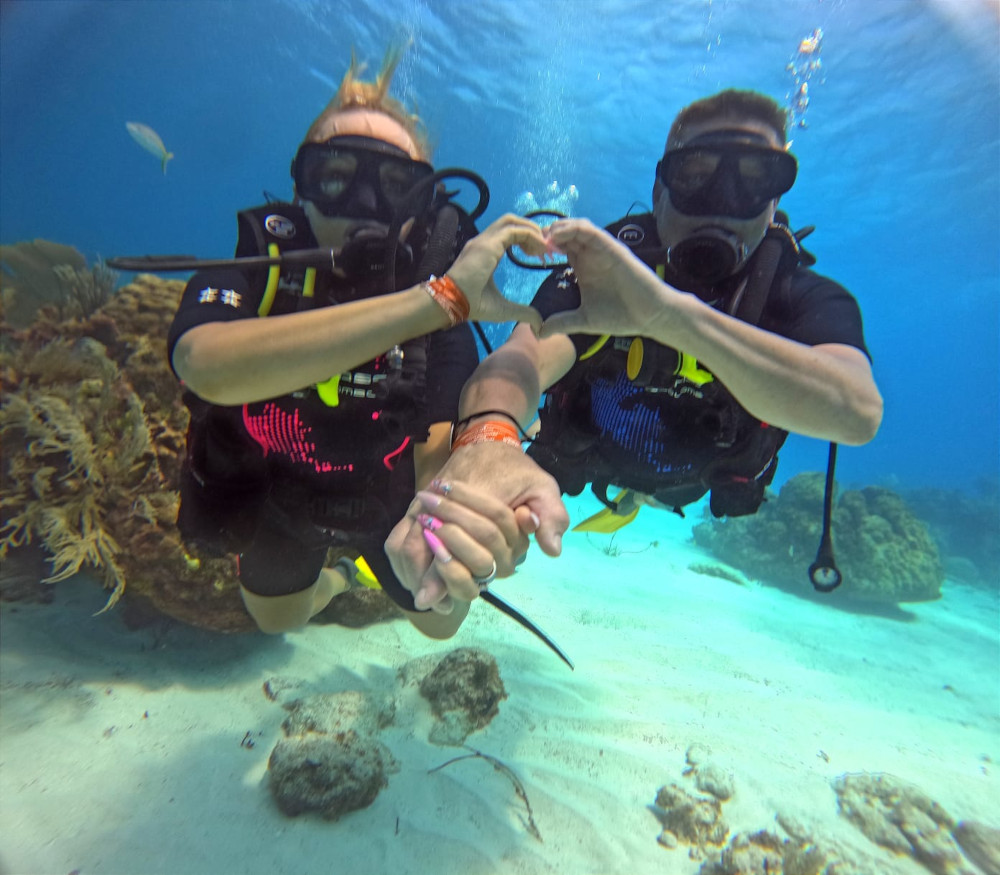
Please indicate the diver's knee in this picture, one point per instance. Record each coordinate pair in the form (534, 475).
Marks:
(276, 615)
(270, 626)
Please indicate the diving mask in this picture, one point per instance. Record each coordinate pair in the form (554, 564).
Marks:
(358, 177)
(725, 173)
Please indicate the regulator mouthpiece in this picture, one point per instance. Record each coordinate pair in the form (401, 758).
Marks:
(709, 255)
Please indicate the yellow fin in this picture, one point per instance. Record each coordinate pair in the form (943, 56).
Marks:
(607, 520)
(365, 575)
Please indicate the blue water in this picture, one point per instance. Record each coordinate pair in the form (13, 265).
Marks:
(899, 171)
(899, 164)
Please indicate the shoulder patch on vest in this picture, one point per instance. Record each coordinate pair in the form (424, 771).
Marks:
(280, 226)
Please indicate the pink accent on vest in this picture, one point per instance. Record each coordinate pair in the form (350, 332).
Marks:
(284, 434)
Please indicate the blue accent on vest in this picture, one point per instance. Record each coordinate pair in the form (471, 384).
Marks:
(621, 415)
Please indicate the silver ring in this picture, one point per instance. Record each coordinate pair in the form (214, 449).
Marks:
(483, 582)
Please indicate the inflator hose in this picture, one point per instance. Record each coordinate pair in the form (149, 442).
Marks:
(440, 246)
(823, 573)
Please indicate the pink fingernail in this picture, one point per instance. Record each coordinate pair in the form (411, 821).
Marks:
(429, 522)
(440, 486)
(429, 499)
(535, 519)
(437, 548)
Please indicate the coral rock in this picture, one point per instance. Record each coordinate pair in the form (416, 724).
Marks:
(329, 774)
(694, 820)
(981, 844)
(357, 608)
(330, 713)
(330, 760)
(715, 781)
(759, 853)
(902, 818)
(464, 691)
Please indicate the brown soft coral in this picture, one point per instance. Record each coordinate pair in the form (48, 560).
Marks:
(93, 427)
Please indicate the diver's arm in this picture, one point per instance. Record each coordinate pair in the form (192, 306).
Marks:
(254, 359)
(825, 391)
(250, 360)
(513, 377)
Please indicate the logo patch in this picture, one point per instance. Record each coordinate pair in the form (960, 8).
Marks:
(631, 235)
(209, 295)
(279, 226)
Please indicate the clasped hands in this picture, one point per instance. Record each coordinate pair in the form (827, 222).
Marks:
(485, 502)
(489, 498)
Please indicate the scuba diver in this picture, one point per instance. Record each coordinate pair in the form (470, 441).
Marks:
(679, 348)
(322, 394)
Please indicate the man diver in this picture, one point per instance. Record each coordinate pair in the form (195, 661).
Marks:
(315, 425)
(679, 348)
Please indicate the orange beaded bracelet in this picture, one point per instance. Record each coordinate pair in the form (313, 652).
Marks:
(491, 430)
(449, 297)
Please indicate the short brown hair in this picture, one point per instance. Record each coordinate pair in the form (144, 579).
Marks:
(353, 93)
(731, 103)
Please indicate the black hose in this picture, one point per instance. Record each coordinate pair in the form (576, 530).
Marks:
(167, 263)
(410, 206)
(437, 255)
(823, 573)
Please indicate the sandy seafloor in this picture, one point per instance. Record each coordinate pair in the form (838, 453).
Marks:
(120, 751)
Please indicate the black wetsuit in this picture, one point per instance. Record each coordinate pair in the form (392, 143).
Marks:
(300, 474)
(676, 445)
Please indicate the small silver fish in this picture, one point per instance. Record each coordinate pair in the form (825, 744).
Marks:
(146, 137)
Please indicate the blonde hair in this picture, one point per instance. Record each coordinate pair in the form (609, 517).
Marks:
(353, 93)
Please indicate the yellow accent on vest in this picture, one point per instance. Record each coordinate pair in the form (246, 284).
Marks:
(689, 370)
(633, 364)
(687, 366)
(595, 347)
(309, 283)
(328, 391)
(271, 289)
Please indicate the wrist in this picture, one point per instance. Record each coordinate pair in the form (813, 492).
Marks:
(449, 297)
(485, 431)
(666, 324)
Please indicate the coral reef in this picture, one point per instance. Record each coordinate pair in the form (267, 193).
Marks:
(964, 522)
(884, 552)
(39, 273)
(93, 431)
(21, 574)
(464, 692)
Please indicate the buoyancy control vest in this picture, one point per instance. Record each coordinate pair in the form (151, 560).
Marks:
(646, 417)
(371, 416)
